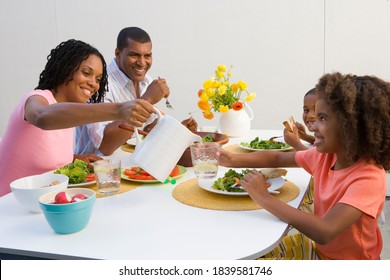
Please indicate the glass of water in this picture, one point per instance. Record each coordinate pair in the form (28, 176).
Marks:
(108, 175)
(205, 159)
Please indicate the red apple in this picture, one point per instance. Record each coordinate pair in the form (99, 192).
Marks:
(62, 197)
(78, 197)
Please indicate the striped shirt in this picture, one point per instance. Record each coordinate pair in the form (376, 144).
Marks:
(120, 89)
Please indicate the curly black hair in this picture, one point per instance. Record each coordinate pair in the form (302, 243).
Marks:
(64, 60)
(362, 104)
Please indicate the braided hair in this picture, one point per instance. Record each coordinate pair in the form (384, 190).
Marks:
(64, 60)
(362, 105)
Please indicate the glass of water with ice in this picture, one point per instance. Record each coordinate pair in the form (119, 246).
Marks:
(205, 159)
(108, 175)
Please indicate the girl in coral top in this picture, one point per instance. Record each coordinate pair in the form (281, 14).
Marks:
(348, 162)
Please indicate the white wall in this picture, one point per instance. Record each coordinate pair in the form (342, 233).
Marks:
(279, 47)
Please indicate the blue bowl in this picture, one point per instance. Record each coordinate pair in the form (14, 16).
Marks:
(70, 217)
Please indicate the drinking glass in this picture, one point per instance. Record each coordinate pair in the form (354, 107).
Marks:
(205, 159)
(108, 175)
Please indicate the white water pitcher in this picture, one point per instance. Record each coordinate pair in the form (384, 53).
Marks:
(162, 148)
(236, 123)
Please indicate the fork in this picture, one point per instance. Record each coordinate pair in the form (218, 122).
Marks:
(237, 186)
(168, 104)
(166, 100)
(274, 137)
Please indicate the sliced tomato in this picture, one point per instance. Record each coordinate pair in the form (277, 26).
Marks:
(90, 177)
(129, 172)
(139, 170)
(175, 171)
(140, 177)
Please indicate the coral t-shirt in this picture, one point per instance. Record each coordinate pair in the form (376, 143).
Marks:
(28, 150)
(362, 186)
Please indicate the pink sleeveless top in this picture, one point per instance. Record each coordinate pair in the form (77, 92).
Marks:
(28, 150)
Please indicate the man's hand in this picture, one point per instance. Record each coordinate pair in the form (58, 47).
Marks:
(88, 158)
(190, 123)
(156, 91)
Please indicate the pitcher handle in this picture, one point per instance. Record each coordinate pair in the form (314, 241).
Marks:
(250, 111)
(137, 137)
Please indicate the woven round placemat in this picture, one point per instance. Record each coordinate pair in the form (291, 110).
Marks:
(236, 149)
(125, 186)
(191, 194)
(128, 148)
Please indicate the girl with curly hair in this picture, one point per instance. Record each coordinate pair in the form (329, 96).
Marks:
(39, 136)
(348, 162)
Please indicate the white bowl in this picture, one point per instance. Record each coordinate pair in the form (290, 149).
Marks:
(29, 189)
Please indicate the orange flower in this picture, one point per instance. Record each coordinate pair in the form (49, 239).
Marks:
(200, 93)
(208, 115)
(237, 106)
(203, 105)
(234, 88)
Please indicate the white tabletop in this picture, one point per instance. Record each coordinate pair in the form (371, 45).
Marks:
(148, 223)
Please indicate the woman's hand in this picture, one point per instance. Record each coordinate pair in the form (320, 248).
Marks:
(136, 112)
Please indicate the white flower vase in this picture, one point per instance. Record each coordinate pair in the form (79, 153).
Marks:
(236, 123)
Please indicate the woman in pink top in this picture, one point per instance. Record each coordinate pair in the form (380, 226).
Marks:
(39, 136)
(351, 154)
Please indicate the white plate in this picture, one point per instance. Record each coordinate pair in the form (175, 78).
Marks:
(82, 184)
(182, 171)
(132, 141)
(252, 149)
(79, 184)
(276, 183)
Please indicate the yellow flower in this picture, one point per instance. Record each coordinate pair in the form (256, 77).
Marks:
(204, 96)
(223, 108)
(208, 83)
(222, 90)
(242, 85)
(221, 68)
(210, 92)
(219, 74)
(250, 97)
(220, 95)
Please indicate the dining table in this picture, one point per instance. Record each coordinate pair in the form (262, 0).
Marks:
(158, 221)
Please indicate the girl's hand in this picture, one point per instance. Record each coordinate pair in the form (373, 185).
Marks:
(292, 137)
(303, 134)
(225, 158)
(255, 184)
(301, 130)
